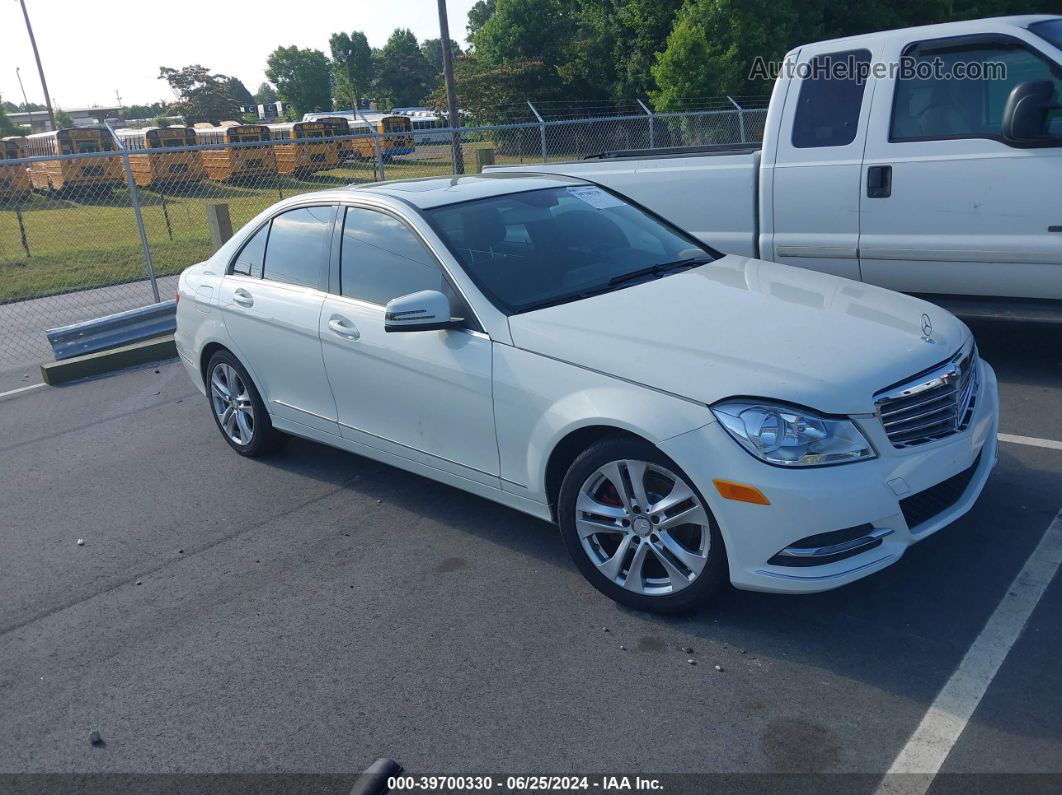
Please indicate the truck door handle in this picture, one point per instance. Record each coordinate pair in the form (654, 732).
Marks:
(343, 327)
(879, 182)
(242, 297)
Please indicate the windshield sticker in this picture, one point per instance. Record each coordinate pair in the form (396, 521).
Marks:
(595, 197)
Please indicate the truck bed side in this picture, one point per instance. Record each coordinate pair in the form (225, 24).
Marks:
(712, 195)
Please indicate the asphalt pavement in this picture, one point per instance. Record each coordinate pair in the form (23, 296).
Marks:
(313, 611)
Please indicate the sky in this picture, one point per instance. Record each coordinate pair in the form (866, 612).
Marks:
(90, 50)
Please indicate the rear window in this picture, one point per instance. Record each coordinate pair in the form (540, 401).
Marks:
(298, 246)
(831, 97)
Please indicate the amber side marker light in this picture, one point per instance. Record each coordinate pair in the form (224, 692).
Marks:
(741, 492)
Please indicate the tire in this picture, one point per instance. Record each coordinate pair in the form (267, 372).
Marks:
(644, 559)
(250, 431)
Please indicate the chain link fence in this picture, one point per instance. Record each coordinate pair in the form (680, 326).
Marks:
(86, 235)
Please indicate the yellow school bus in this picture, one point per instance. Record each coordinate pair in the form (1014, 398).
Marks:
(297, 152)
(338, 126)
(162, 168)
(242, 162)
(395, 133)
(14, 179)
(89, 174)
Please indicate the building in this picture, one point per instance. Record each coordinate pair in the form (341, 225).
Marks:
(38, 121)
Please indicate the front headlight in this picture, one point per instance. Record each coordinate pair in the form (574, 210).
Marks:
(790, 436)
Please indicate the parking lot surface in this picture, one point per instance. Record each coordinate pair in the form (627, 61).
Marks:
(310, 612)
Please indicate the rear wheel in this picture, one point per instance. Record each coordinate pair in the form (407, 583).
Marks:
(638, 530)
(237, 407)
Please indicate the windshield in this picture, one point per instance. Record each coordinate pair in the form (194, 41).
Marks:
(1050, 29)
(537, 248)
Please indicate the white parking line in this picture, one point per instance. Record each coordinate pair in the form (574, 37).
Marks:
(1051, 444)
(21, 389)
(921, 758)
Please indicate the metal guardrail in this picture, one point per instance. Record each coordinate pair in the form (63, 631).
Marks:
(113, 331)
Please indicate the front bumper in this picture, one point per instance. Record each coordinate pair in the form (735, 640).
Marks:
(808, 502)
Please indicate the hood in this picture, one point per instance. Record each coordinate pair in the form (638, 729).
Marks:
(745, 327)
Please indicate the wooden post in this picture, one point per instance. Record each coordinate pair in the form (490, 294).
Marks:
(220, 224)
(484, 157)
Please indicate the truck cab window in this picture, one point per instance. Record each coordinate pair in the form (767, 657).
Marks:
(831, 96)
(943, 105)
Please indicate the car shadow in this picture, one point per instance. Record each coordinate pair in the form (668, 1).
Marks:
(903, 630)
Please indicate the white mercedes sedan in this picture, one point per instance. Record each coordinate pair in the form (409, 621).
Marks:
(686, 418)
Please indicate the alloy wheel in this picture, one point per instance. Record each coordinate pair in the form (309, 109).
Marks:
(643, 527)
(232, 404)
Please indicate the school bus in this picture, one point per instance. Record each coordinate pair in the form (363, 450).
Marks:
(389, 127)
(163, 168)
(392, 143)
(297, 152)
(84, 174)
(236, 163)
(339, 126)
(14, 179)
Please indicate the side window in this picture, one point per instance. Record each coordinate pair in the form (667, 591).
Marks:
(959, 89)
(298, 246)
(831, 96)
(249, 260)
(382, 259)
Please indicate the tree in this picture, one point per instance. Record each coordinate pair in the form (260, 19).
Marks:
(63, 120)
(432, 49)
(8, 127)
(203, 96)
(403, 75)
(478, 16)
(352, 67)
(713, 45)
(239, 92)
(302, 78)
(488, 92)
(265, 94)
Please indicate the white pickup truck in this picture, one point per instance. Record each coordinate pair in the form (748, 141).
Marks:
(945, 180)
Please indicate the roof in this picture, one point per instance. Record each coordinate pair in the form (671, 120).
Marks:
(952, 28)
(437, 191)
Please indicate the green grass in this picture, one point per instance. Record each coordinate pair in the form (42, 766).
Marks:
(77, 243)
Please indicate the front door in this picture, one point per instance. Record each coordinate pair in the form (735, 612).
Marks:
(966, 212)
(423, 395)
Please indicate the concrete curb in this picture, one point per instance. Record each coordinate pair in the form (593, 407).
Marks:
(76, 367)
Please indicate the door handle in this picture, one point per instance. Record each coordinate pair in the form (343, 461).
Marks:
(879, 182)
(343, 327)
(242, 297)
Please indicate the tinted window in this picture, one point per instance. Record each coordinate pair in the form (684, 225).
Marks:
(533, 248)
(940, 106)
(382, 259)
(1050, 29)
(830, 99)
(249, 260)
(298, 246)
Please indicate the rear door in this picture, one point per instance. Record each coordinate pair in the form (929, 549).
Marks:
(272, 299)
(814, 214)
(966, 212)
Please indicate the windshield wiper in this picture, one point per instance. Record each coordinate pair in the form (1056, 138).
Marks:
(658, 269)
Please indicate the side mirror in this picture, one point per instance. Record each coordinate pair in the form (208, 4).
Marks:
(1026, 111)
(427, 310)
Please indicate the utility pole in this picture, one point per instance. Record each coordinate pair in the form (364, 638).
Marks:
(451, 91)
(40, 69)
(25, 102)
